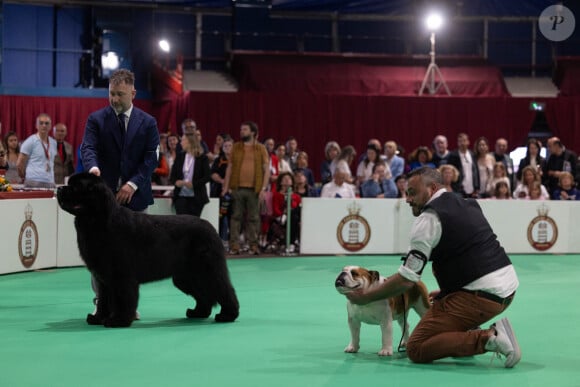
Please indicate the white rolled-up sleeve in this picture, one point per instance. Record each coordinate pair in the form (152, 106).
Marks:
(425, 235)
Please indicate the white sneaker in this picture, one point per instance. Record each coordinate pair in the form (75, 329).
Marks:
(505, 343)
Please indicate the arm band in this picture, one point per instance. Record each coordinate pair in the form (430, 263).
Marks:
(415, 261)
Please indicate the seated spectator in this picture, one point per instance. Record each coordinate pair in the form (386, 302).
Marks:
(395, 163)
(401, 183)
(283, 165)
(365, 168)
(331, 152)
(301, 186)
(380, 185)
(420, 157)
(538, 191)
(501, 191)
(302, 164)
(530, 175)
(338, 187)
(566, 189)
(450, 176)
(277, 234)
(499, 174)
(343, 163)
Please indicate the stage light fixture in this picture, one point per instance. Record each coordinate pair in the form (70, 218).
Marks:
(434, 21)
(164, 45)
(110, 61)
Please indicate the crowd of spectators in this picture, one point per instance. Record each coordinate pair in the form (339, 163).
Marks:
(470, 171)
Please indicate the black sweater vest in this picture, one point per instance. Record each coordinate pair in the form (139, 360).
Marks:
(468, 248)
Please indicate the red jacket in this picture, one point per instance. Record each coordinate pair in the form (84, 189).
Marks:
(279, 203)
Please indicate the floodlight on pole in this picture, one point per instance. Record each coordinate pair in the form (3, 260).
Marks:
(433, 22)
(164, 45)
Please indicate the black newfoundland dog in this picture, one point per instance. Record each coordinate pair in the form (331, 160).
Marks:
(123, 249)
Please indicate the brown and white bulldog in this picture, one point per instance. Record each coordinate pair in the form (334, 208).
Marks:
(379, 312)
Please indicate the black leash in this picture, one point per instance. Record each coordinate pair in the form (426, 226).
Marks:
(401, 348)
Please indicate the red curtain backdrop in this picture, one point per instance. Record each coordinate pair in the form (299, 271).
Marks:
(380, 75)
(18, 113)
(567, 75)
(316, 119)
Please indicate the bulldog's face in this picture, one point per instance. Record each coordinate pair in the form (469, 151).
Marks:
(355, 277)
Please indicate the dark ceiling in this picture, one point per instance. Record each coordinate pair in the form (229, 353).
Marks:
(511, 8)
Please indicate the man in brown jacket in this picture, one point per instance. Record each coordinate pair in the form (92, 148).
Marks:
(247, 179)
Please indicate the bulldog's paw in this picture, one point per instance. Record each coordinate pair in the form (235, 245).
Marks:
(386, 352)
(351, 348)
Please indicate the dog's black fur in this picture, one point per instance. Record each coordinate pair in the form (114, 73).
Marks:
(123, 249)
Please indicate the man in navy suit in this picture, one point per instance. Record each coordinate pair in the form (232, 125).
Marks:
(121, 144)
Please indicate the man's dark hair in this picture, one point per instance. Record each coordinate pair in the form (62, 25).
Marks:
(428, 175)
(253, 126)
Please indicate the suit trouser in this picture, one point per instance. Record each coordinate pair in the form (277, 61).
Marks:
(245, 202)
(447, 328)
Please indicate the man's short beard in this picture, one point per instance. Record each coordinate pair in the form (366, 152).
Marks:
(246, 138)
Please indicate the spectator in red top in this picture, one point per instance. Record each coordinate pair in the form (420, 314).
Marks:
(280, 213)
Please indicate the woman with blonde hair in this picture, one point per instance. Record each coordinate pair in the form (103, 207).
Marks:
(485, 162)
(449, 176)
(530, 176)
(190, 174)
(343, 161)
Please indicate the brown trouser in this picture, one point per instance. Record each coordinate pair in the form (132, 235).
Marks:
(447, 329)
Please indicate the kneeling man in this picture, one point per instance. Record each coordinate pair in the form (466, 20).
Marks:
(475, 276)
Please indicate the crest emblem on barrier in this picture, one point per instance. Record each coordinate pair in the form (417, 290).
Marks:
(353, 231)
(28, 239)
(542, 230)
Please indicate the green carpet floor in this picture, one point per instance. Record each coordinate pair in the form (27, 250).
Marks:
(291, 332)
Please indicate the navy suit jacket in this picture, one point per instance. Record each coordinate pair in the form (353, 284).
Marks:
(133, 160)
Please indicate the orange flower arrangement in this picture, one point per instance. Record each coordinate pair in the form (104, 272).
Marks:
(4, 185)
